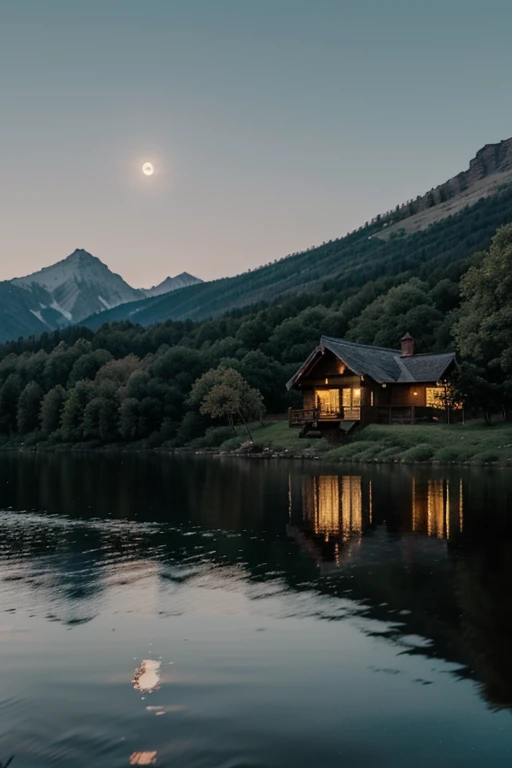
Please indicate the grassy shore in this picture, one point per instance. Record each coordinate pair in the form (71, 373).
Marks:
(474, 442)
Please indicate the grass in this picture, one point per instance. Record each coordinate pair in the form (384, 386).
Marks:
(474, 442)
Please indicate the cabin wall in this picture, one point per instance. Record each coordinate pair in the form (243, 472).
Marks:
(406, 395)
(308, 398)
(400, 394)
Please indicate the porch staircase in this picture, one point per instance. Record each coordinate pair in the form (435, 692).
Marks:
(335, 433)
(309, 431)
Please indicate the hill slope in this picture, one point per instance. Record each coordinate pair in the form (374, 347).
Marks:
(447, 224)
(342, 265)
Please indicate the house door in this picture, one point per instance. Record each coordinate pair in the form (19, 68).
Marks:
(328, 401)
(351, 399)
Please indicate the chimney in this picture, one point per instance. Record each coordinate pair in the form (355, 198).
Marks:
(407, 343)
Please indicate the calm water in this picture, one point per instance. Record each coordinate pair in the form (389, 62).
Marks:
(208, 613)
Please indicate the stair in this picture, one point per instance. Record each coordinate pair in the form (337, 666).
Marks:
(309, 432)
(349, 426)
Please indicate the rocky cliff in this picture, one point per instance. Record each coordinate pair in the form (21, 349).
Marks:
(489, 172)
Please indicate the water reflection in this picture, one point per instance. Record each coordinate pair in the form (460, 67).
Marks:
(421, 558)
(341, 506)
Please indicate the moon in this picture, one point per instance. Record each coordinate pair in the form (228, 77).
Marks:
(147, 169)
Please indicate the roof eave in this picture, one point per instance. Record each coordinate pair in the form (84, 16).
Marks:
(304, 367)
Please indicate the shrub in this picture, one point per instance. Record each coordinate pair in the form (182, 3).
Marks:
(373, 451)
(448, 453)
(486, 457)
(421, 452)
(233, 443)
(34, 438)
(389, 453)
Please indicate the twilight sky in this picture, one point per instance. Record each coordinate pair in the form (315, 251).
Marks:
(272, 124)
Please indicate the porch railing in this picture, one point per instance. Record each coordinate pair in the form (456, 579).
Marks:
(387, 414)
(297, 418)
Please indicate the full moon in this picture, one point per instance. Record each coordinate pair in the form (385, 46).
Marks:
(147, 169)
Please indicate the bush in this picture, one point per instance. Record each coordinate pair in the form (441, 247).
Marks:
(371, 452)
(233, 443)
(213, 437)
(350, 450)
(486, 457)
(34, 438)
(448, 453)
(389, 453)
(421, 452)
(155, 440)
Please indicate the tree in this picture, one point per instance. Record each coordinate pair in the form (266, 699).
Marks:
(483, 331)
(129, 419)
(101, 418)
(51, 409)
(29, 406)
(73, 412)
(406, 307)
(224, 393)
(9, 395)
(88, 365)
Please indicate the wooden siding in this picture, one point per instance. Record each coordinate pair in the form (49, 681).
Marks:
(393, 394)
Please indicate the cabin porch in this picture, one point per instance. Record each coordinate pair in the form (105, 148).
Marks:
(365, 414)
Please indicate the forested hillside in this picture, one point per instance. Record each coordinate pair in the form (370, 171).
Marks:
(335, 270)
(126, 382)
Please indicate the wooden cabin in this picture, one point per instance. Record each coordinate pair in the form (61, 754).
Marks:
(345, 384)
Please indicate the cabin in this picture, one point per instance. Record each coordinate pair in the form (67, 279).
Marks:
(345, 385)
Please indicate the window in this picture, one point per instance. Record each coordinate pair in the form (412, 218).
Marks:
(351, 398)
(434, 397)
(328, 400)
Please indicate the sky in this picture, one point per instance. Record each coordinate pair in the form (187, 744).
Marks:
(272, 125)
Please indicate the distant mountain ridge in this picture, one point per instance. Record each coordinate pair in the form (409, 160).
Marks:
(182, 280)
(66, 293)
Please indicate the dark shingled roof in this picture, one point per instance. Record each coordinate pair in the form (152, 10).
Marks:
(383, 365)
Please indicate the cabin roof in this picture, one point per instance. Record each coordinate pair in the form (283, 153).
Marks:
(383, 365)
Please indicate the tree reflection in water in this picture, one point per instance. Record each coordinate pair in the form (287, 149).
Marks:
(430, 546)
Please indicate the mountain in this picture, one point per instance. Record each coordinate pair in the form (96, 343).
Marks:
(489, 172)
(68, 292)
(78, 286)
(26, 312)
(434, 234)
(171, 284)
(444, 226)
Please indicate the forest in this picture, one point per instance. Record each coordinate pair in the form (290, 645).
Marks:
(183, 381)
(335, 270)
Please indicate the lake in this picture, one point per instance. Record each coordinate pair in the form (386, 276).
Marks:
(223, 613)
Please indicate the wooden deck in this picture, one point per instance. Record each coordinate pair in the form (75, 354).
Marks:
(393, 414)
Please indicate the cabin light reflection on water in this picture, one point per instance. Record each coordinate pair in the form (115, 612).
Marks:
(341, 507)
(143, 758)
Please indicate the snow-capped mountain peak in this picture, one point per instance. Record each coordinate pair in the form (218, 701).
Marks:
(80, 285)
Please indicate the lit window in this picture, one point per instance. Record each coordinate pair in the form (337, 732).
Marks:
(434, 397)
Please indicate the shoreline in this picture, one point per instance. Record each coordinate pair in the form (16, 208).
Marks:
(473, 444)
(265, 455)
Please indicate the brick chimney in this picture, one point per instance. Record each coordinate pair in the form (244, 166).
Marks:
(407, 343)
